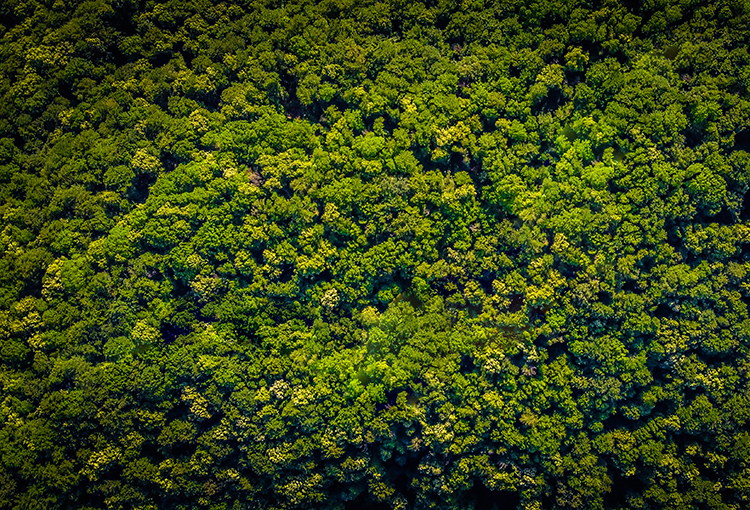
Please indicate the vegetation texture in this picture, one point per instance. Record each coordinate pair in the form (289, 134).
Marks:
(349, 255)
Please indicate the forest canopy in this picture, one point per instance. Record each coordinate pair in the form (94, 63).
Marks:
(346, 254)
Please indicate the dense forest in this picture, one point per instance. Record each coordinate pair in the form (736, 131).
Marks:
(357, 254)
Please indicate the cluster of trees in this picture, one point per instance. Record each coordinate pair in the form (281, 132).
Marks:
(357, 254)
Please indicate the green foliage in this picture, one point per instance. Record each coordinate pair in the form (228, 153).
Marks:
(350, 254)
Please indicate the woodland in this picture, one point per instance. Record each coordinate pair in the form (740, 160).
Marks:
(371, 255)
